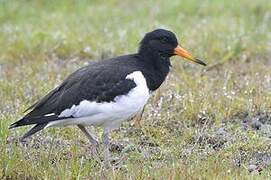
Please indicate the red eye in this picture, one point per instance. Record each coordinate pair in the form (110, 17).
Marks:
(164, 40)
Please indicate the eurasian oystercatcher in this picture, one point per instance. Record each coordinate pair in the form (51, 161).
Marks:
(106, 93)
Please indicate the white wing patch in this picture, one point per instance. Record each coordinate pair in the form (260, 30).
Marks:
(108, 114)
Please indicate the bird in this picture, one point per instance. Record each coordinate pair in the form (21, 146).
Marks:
(107, 92)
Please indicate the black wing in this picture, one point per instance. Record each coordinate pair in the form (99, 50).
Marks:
(100, 82)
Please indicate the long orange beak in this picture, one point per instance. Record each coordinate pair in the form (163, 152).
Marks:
(185, 54)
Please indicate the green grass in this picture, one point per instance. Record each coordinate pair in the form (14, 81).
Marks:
(43, 41)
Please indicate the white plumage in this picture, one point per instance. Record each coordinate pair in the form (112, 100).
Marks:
(108, 114)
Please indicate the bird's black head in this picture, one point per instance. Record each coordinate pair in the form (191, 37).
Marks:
(160, 42)
(164, 44)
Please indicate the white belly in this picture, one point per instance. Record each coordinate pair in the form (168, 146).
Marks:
(108, 114)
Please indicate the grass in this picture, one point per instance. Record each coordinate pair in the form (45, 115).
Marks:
(199, 127)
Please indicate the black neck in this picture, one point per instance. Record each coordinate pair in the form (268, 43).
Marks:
(155, 69)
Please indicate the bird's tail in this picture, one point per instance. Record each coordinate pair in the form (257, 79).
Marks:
(39, 122)
(33, 130)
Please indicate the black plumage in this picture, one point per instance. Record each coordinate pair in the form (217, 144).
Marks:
(100, 81)
(104, 80)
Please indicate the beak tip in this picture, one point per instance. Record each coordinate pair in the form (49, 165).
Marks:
(204, 64)
(201, 62)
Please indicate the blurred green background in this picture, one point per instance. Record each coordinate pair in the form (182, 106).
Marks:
(201, 125)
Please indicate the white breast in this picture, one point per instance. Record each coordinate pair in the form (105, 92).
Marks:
(108, 114)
